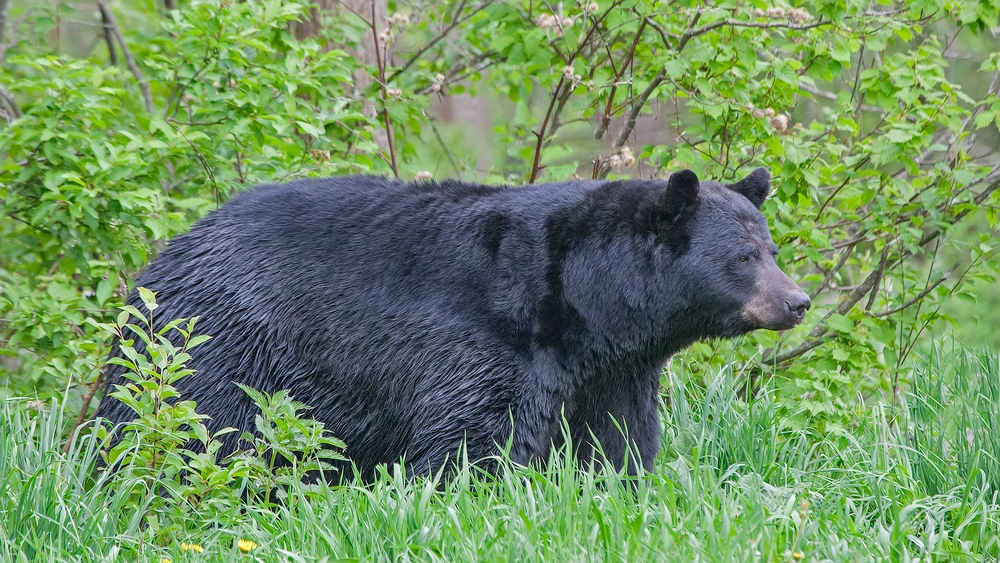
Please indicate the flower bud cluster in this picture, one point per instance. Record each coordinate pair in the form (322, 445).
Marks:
(623, 157)
(778, 120)
(401, 20)
(794, 15)
(438, 83)
(549, 21)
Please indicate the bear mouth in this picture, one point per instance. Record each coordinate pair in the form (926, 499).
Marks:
(784, 315)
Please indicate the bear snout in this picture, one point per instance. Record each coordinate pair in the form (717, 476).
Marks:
(798, 305)
(778, 304)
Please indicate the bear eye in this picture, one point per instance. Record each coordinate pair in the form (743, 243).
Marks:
(744, 258)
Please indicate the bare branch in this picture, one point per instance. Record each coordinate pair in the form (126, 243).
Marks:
(552, 113)
(98, 383)
(536, 164)
(833, 97)
(380, 51)
(736, 23)
(640, 102)
(109, 17)
(447, 151)
(919, 296)
(455, 22)
(602, 125)
(633, 114)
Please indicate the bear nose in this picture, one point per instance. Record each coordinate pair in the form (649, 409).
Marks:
(799, 304)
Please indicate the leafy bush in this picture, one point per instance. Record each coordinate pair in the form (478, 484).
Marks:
(91, 182)
(165, 462)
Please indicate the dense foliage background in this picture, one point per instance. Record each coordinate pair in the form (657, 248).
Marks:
(123, 122)
(877, 120)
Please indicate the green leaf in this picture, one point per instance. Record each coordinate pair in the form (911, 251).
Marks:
(148, 298)
(840, 323)
(105, 289)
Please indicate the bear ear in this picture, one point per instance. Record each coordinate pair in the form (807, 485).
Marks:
(680, 198)
(754, 187)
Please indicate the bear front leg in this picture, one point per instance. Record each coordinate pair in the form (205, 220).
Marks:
(542, 399)
(621, 420)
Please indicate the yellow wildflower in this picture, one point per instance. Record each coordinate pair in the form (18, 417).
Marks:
(192, 547)
(246, 545)
(797, 555)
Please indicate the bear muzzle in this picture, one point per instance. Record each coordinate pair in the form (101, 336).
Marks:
(778, 304)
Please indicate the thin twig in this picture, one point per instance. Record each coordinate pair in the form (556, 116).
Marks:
(455, 22)
(833, 271)
(736, 23)
(380, 63)
(82, 416)
(238, 165)
(879, 274)
(833, 97)
(204, 162)
(640, 102)
(602, 126)
(536, 163)
(664, 36)
(461, 70)
(919, 296)
(447, 151)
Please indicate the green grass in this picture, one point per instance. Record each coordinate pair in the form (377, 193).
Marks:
(914, 481)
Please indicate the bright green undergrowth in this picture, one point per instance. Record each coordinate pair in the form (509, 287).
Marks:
(917, 480)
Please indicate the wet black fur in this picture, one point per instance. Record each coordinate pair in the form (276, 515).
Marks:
(415, 316)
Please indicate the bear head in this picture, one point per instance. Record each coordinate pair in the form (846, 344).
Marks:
(725, 254)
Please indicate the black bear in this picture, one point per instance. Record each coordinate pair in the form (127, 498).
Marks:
(417, 317)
